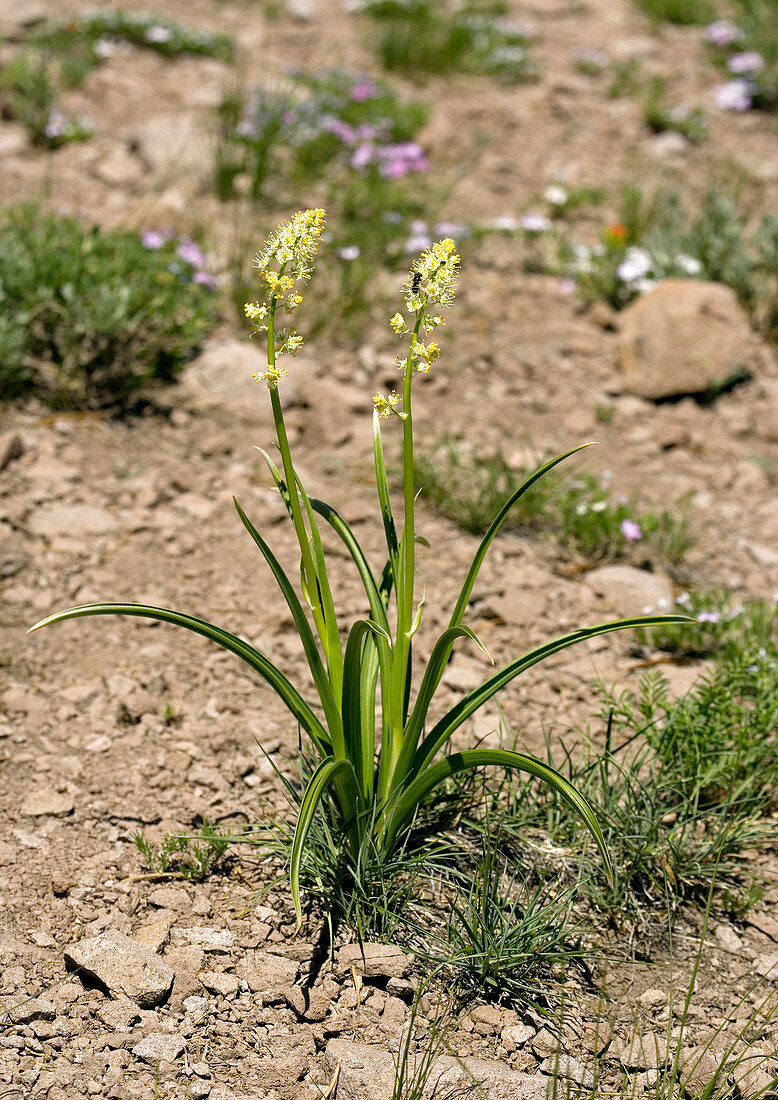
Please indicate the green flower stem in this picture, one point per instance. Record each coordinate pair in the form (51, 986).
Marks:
(404, 586)
(308, 571)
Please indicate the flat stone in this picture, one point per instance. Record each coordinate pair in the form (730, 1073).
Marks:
(218, 981)
(368, 1073)
(217, 940)
(36, 1008)
(47, 801)
(700, 1068)
(569, 1068)
(641, 1051)
(170, 897)
(629, 591)
(221, 377)
(154, 935)
(71, 521)
(767, 966)
(120, 1014)
(686, 336)
(123, 966)
(374, 960)
(11, 448)
(159, 1046)
(267, 974)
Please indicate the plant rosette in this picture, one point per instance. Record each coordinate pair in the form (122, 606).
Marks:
(379, 777)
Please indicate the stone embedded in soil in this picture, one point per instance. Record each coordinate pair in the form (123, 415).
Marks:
(170, 897)
(47, 802)
(569, 1068)
(267, 974)
(368, 1073)
(154, 935)
(120, 1014)
(159, 1046)
(71, 521)
(11, 448)
(219, 982)
(767, 966)
(123, 967)
(374, 960)
(217, 940)
(629, 591)
(641, 1051)
(685, 336)
(700, 1067)
(36, 1008)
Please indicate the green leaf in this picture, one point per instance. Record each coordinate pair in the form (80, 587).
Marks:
(436, 665)
(382, 484)
(326, 773)
(315, 663)
(476, 699)
(502, 515)
(357, 748)
(339, 525)
(268, 671)
(408, 800)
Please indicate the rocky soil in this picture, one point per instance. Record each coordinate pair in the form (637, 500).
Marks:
(115, 983)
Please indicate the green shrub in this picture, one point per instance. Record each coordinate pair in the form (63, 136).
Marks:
(89, 317)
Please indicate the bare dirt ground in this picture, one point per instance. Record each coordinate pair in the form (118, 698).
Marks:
(110, 726)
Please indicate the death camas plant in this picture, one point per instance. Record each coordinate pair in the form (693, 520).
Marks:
(378, 777)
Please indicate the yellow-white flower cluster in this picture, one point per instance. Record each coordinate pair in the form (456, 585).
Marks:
(287, 256)
(431, 281)
(384, 405)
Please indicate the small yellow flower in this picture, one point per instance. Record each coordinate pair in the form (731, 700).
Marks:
(432, 277)
(398, 324)
(384, 405)
(293, 342)
(271, 376)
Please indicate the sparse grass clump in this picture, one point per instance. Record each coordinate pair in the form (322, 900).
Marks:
(426, 37)
(579, 511)
(656, 237)
(89, 319)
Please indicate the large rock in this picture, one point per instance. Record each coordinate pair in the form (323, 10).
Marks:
(685, 336)
(124, 967)
(368, 1073)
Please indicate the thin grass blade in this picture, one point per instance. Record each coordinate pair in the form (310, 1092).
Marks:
(327, 772)
(408, 800)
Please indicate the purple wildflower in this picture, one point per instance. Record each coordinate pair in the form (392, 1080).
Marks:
(158, 34)
(154, 238)
(631, 530)
(735, 95)
(532, 222)
(365, 89)
(708, 617)
(746, 63)
(723, 32)
(418, 242)
(340, 129)
(362, 156)
(204, 278)
(190, 253)
(56, 124)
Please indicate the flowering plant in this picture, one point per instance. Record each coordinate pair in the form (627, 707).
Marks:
(378, 785)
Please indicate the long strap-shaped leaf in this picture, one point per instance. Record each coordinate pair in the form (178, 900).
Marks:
(432, 674)
(328, 771)
(268, 671)
(358, 746)
(332, 641)
(407, 801)
(315, 663)
(382, 482)
(349, 539)
(502, 515)
(471, 703)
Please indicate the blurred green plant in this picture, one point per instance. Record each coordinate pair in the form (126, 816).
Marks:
(91, 318)
(425, 37)
(579, 511)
